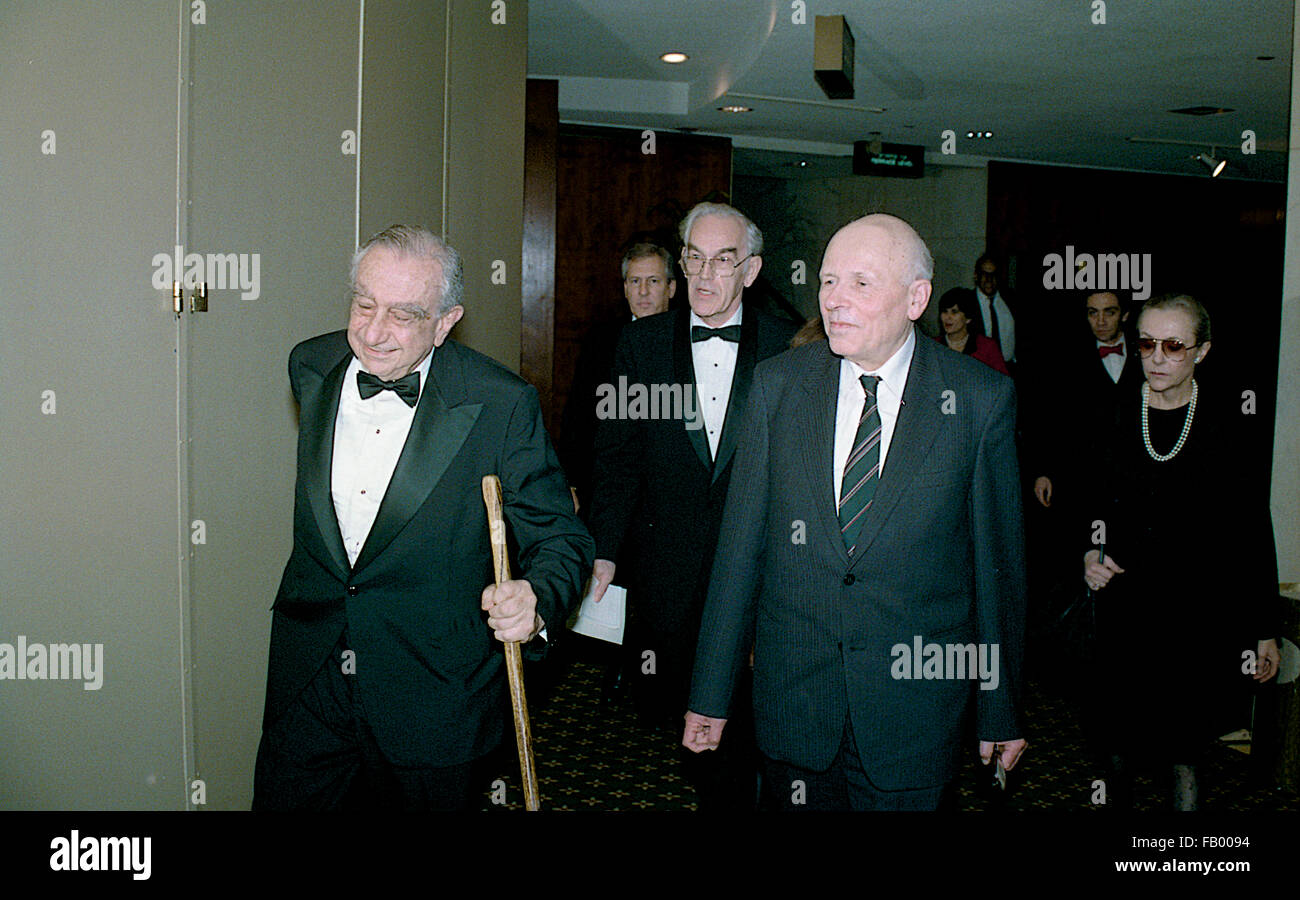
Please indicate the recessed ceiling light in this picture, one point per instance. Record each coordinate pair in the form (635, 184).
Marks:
(674, 56)
(735, 109)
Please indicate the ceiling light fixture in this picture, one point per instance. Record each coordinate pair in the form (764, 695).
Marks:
(1215, 166)
(672, 57)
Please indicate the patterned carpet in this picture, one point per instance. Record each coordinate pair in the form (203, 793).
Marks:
(597, 757)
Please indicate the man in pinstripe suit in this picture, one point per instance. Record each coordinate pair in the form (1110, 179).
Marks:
(871, 546)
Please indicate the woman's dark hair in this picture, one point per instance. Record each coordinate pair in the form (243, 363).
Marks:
(964, 300)
(1188, 304)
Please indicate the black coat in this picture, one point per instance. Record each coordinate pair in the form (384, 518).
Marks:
(429, 672)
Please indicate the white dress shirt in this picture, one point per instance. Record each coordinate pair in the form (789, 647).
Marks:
(368, 439)
(1113, 363)
(852, 399)
(1006, 324)
(715, 365)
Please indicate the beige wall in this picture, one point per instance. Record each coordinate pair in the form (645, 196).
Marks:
(947, 207)
(1286, 428)
(442, 143)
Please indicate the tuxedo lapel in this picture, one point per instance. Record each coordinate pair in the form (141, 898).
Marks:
(316, 422)
(443, 421)
(918, 423)
(814, 421)
(684, 374)
(741, 378)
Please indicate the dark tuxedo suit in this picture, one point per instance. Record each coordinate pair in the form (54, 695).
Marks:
(577, 445)
(428, 671)
(657, 498)
(940, 556)
(1065, 424)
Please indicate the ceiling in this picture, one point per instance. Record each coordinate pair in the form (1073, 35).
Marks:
(1051, 85)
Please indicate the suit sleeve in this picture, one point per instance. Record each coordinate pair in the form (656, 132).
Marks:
(555, 550)
(616, 471)
(997, 524)
(727, 629)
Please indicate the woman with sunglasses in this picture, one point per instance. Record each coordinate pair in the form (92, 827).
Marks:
(1183, 565)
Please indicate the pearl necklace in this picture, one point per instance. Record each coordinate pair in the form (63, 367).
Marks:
(1182, 438)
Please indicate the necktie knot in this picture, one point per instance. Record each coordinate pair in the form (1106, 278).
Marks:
(407, 387)
(869, 383)
(727, 333)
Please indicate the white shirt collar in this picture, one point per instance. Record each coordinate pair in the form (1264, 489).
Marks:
(893, 374)
(734, 320)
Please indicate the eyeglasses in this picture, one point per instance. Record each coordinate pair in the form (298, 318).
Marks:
(1174, 350)
(724, 266)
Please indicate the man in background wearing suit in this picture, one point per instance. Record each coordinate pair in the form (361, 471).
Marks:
(996, 320)
(659, 483)
(1102, 371)
(386, 686)
(649, 283)
(874, 512)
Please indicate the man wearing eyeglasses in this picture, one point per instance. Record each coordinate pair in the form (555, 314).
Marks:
(659, 483)
(386, 687)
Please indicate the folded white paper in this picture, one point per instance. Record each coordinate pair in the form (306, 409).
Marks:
(603, 620)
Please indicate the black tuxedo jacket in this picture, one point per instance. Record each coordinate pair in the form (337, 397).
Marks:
(940, 557)
(657, 497)
(429, 671)
(1065, 424)
(577, 445)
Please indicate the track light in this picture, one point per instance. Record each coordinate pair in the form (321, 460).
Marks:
(1215, 166)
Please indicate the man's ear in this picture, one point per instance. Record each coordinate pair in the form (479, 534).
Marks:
(918, 296)
(672, 288)
(445, 323)
(753, 264)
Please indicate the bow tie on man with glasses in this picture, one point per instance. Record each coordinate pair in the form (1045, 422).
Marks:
(660, 482)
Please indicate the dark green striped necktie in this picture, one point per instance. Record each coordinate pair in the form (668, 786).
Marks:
(862, 469)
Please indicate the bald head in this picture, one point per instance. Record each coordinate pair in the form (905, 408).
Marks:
(875, 282)
(905, 245)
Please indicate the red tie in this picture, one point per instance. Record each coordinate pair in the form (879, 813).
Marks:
(1103, 351)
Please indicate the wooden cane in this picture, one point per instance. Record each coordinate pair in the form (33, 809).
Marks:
(514, 659)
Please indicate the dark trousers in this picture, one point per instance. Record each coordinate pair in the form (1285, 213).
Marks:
(322, 756)
(843, 787)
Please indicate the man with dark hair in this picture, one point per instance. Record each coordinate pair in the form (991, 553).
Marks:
(649, 283)
(1100, 369)
(661, 474)
(386, 686)
(870, 553)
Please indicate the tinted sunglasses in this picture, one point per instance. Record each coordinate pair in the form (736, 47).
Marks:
(1174, 350)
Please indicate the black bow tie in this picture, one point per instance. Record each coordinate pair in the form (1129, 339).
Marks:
(727, 333)
(407, 387)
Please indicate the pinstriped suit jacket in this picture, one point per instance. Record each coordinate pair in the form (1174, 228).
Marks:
(941, 556)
